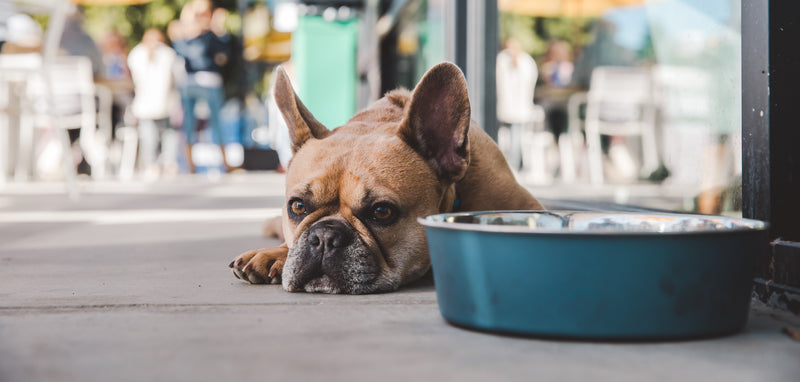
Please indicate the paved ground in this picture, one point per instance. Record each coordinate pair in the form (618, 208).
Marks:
(131, 283)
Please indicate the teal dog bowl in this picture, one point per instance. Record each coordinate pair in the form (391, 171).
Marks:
(602, 276)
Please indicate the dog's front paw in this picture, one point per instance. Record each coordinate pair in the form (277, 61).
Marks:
(260, 266)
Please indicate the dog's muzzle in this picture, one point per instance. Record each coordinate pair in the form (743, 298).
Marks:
(330, 257)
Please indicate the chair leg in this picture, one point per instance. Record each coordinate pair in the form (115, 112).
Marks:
(649, 151)
(566, 154)
(130, 143)
(6, 147)
(503, 138)
(90, 144)
(538, 151)
(515, 149)
(170, 144)
(70, 172)
(22, 170)
(100, 149)
(594, 153)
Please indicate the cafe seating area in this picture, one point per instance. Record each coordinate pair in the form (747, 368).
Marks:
(653, 125)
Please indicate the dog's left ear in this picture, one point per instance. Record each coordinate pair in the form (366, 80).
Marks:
(437, 121)
(302, 124)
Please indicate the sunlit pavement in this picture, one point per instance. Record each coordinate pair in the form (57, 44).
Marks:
(130, 283)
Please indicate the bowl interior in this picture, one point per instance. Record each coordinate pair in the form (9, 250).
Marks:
(590, 222)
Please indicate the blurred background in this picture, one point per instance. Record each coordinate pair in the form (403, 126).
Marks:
(601, 102)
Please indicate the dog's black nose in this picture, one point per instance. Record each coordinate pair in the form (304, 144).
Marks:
(329, 235)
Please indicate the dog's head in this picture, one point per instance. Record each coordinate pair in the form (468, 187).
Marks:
(354, 194)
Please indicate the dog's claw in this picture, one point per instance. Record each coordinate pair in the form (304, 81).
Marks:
(230, 265)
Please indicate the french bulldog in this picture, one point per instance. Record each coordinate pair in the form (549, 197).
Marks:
(354, 194)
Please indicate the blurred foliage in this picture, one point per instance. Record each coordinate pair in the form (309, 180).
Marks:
(521, 28)
(576, 31)
(535, 33)
(132, 20)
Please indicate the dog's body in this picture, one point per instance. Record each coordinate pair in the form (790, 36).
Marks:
(354, 194)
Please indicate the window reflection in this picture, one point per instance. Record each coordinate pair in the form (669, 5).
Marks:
(641, 103)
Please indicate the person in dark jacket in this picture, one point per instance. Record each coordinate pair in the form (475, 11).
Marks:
(199, 38)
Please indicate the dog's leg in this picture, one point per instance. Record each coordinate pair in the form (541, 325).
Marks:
(273, 227)
(260, 266)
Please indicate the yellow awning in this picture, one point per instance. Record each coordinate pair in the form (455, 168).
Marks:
(110, 2)
(562, 8)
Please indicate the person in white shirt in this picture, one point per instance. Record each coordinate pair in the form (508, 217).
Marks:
(517, 74)
(151, 64)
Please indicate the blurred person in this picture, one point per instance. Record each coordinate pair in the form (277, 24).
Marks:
(557, 70)
(558, 67)
(517, 74)
(151, 65)
(114, 51)
(116, 76)
(76, 42)
(196, 38)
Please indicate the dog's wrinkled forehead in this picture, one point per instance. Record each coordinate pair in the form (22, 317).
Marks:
(372, 166)
(324, 171)
(328, 188)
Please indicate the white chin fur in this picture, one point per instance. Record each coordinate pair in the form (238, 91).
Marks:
(321, 285)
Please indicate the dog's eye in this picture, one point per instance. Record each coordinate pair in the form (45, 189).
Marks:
(383, 213)
(297, 207)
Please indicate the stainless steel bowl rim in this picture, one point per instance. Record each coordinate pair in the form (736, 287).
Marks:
(740, 225)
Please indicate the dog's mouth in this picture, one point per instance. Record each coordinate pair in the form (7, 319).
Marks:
(348, 281)
(330, 258)
(326, 284)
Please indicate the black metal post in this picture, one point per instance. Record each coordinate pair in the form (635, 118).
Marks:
(755, 110)
(771, 142)
(460, 34)
(770, 131)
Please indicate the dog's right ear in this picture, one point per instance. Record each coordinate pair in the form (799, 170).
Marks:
(302, 124)
(437, 121)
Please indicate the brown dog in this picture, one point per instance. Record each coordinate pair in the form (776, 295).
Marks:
(354, 194)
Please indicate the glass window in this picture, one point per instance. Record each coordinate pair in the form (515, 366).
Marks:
(637, 104)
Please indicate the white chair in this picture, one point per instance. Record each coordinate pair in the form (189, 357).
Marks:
(522, 136)
(571, 143)
(620, 103)
(62, 96)
(15, 71)
(56, 11)
(522, 143)
(684, 98)
(536, 143)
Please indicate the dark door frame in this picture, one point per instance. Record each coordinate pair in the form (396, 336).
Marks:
(771, 142)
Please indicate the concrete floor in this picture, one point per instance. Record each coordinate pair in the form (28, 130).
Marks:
(131, 283)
